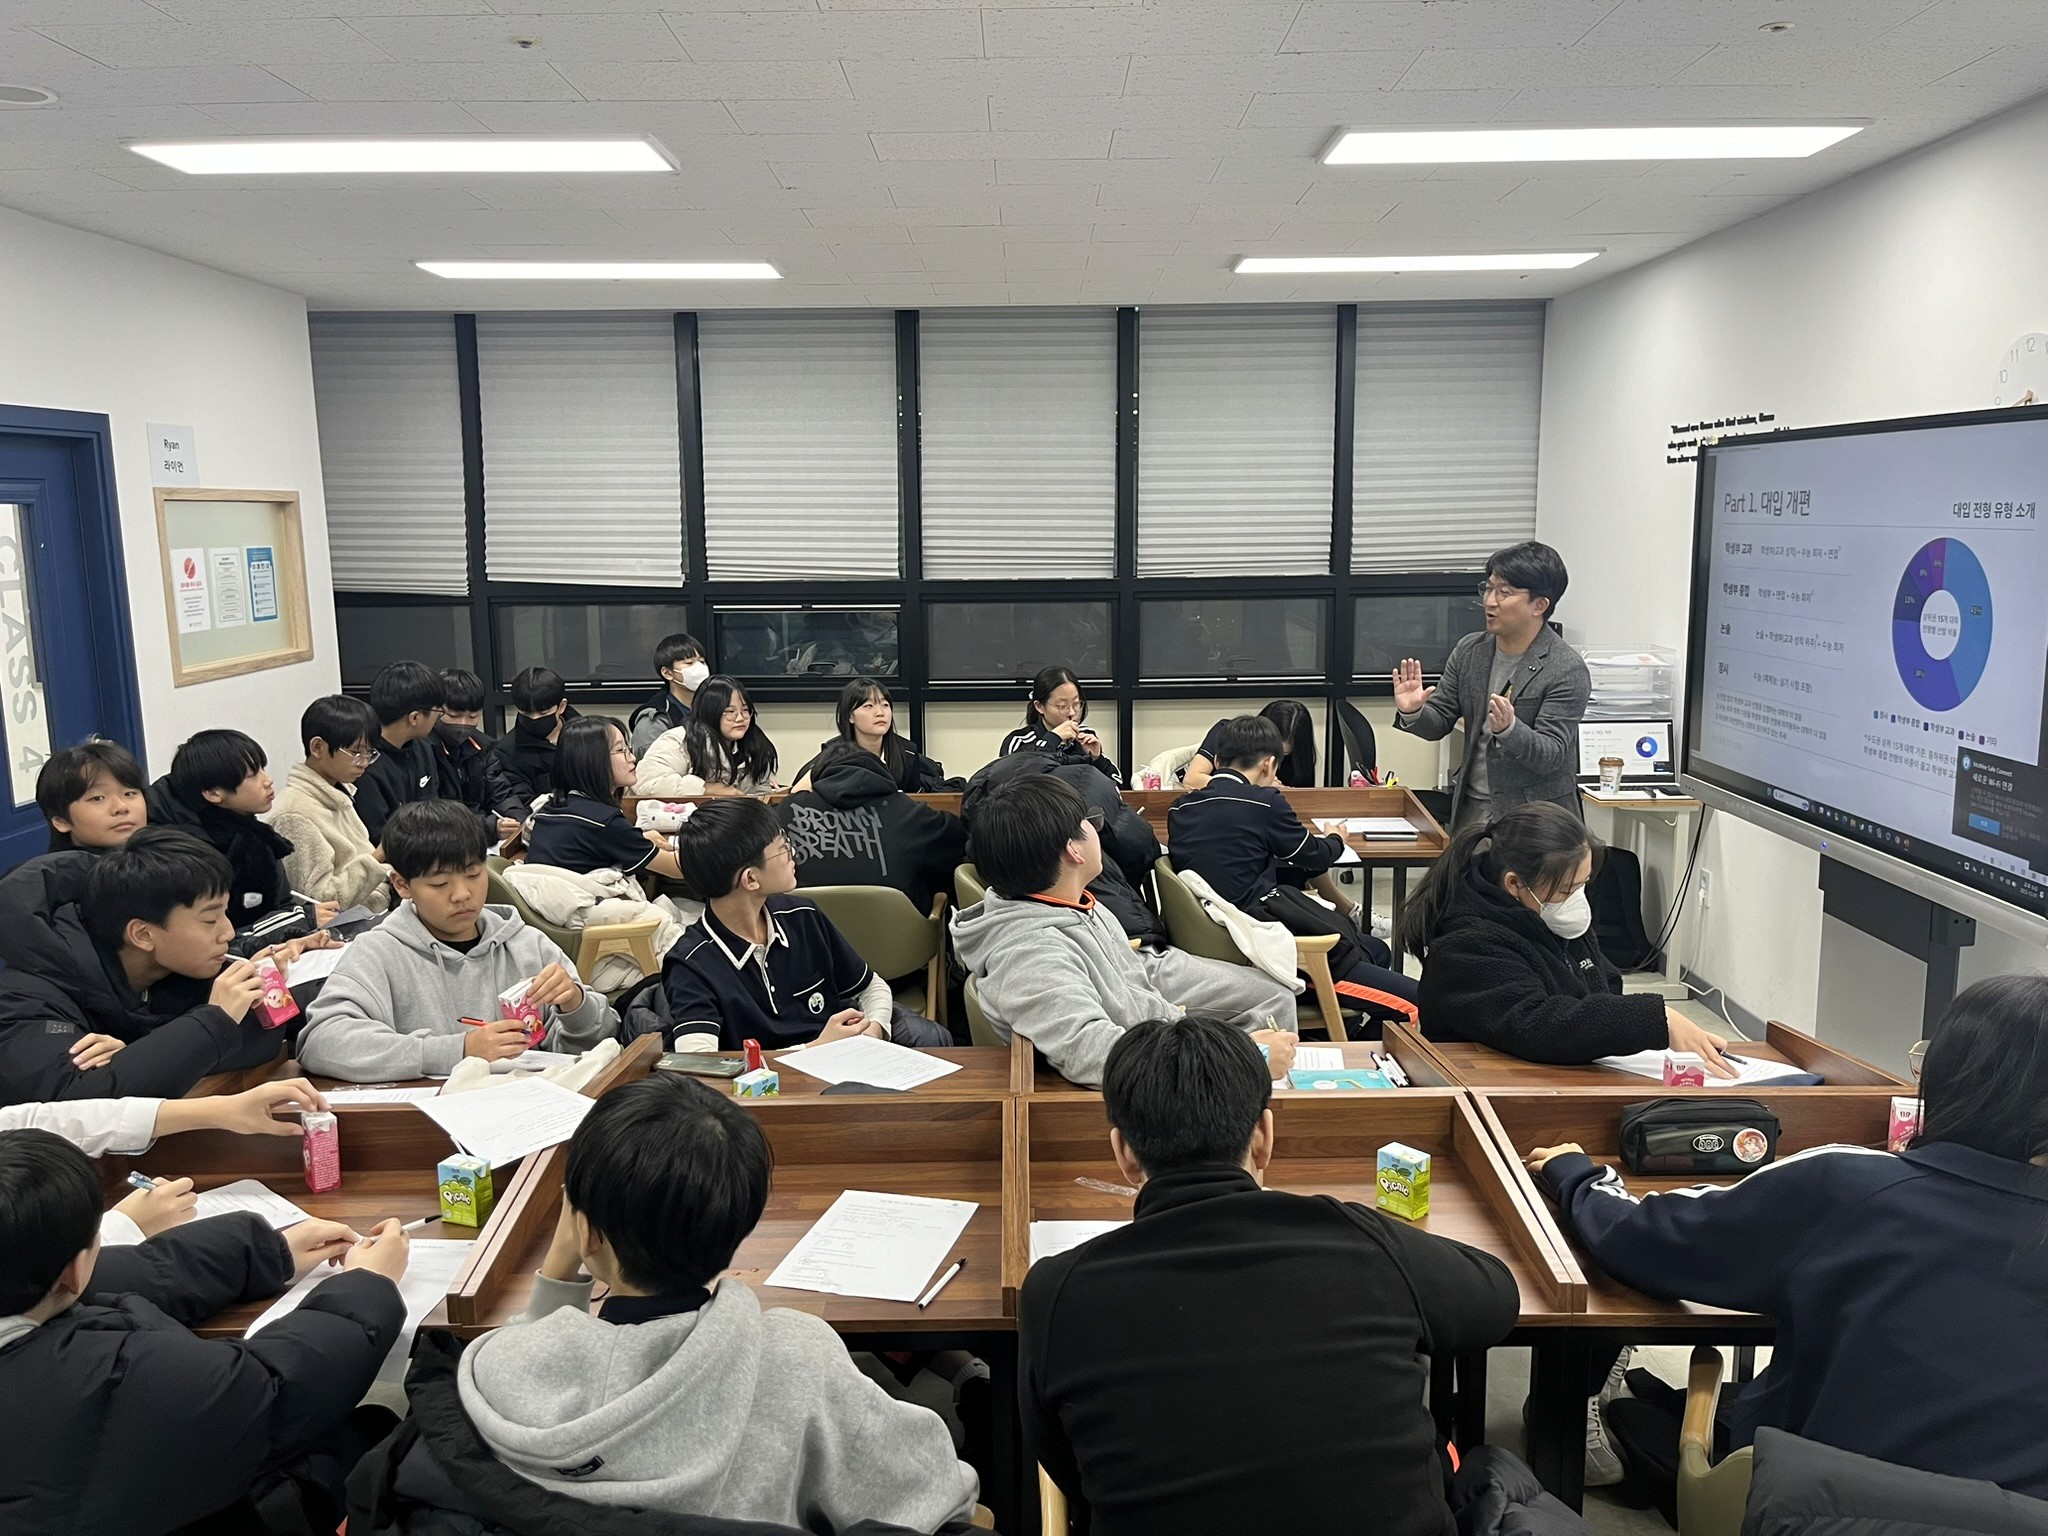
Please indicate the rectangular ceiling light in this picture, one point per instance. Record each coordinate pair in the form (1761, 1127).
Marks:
(370, 157)
(604, 271)
(1538, 261)
(1471, 146)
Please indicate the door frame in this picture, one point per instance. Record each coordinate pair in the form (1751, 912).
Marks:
(89, 435)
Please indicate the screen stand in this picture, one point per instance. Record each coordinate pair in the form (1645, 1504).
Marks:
(1863, 982)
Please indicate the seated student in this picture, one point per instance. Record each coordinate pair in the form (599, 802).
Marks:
(866, 717)
(853, 825)
(1052, 724)
(407, 697)
(679, 660)
(121, 1422)
(93, 795)
(580, 826)
(118, 981)
(1050, 964)
(681, 1395)
(1137, 1369)
(1509, 958)
(761, 964)
(1241, 836)
(525, 759)
(331, 856)
(462, 757)
(216, 790)
(1908, 1289)
(396, 1004)
(722, 751)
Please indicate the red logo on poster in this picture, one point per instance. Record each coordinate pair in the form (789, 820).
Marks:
(191, 567)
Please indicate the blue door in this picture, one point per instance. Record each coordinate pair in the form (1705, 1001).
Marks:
(67, 667)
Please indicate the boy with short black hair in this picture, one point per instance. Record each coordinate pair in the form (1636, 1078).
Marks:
(525, 759)
(735, 1413)
(680, 661)
(118, 978)
(1051, 964)
(332, 858)
(462, 756)
(217, 789)
(408, 697)
(120, 1421)
(761, 964)
(93, 795)
(395, 1005)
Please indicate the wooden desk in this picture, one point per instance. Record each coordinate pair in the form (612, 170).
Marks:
(1036, 1078)
(1481, 1066)
(984, 1074)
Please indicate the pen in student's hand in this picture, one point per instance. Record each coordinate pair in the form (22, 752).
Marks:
(414, 1226)
(142, 1181)
(941, 1283)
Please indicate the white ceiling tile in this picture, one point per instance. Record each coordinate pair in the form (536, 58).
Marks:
(1049, 257)
(1037, 205)
(198, 85)
(2013, 72)
(299, 10)
(778, 148)
(1300, 144)
(1191, 170)
(968, 113)
(831, 35)
(938, 223)
(1182, 74)
(488, 39)
(676, 124)
(770, 80)
(1332, 110)
(1077, 144)
(288, 117)
(1887, 63)
(1842, 22)
(1247, 27)
(1093, 75)
(1520, 68)
(162, 45)
(517, 80)
(1215, 110)
(40, 13)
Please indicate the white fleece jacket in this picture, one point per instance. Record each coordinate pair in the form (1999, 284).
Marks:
(332, 858)
(666, 770)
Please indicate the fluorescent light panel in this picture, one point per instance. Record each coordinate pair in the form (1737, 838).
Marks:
(1538, 261)
(1468, 146)
(345, 157)
(603, 271)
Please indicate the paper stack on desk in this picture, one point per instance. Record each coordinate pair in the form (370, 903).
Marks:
(502, 1126)
(431, 1267)
(249, 1195)
(1751, 1071)
(879, 1245)
(864, 1059)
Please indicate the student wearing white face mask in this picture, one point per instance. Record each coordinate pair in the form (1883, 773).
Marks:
(680, 661)
(1509, 958)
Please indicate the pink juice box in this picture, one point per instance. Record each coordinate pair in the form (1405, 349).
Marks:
(276, 1007)
(320, 1149)
(1684, 1070)
(513, 1004)
(1905, 1122)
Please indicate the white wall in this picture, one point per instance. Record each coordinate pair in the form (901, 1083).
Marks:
(92, 324)
(1893, 294)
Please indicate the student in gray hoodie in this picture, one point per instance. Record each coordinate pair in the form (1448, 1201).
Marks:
(395, 1004)
(1050, 964)
(681, 1394)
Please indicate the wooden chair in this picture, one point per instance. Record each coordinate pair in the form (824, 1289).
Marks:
(979, 1030)
(1052, 1506)
(586, 946)
(967, 886)
(887, 931)
(1711, 1496)
(1192, 929)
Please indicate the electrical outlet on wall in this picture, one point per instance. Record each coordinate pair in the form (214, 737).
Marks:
(1703, 881)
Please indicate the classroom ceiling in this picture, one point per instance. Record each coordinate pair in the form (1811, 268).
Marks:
(926, 152)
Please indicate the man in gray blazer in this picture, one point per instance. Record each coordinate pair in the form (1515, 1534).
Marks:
(1518, 688)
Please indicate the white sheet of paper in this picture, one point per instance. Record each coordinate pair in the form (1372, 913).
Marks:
(867, 1244)
(380, 1095)
(1651, 1064)
(1319, 1058)
(1049, 1238)
(313, 965)
(1371, 826)
(431, 1267)
(1349, 856)
(864, 1059)
(249, 1195)
(502, 1126)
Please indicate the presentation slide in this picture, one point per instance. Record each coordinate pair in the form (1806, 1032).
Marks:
(1875, 640)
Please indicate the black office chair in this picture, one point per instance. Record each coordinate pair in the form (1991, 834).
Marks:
(1361, 745)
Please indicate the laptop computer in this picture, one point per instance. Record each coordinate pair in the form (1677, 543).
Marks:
(1644, 747)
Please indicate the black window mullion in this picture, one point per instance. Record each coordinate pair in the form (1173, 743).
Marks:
(1342, 611)
(910, 634)
(1124, 660)
(690, 434)
(469, 384)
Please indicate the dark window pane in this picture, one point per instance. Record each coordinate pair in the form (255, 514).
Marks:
(373, 638)
(1395, 626)
(805, 642)
(1011, 642)
(1230, 638)
(586, 642)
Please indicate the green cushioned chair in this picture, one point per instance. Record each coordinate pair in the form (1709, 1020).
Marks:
(887, 931)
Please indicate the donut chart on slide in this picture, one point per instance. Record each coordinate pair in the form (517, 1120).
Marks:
(1941, 624)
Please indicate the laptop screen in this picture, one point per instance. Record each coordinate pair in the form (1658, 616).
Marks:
(1644, 747)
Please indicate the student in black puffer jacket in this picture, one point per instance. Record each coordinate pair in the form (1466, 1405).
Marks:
(1504, 930)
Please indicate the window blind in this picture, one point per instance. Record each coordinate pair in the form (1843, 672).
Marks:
(1018, 421)
(1237, 413)
(583, 479)
(390, 418)
(1444, 459)
(799, 415)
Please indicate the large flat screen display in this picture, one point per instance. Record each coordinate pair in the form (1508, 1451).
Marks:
(1869, 641)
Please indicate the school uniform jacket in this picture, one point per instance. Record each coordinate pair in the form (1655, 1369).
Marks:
(854, 827)
(577, 833)
(1910, 1292)
(1238, 835)
(524, 759)
(1166, 1368)
(1494, 974)
(466, 772)
(1035, 737)
(400, 776)
(58, 985)
(120, 1422)
(781, 994)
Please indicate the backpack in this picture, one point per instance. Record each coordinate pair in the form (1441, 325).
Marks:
(1616, 893)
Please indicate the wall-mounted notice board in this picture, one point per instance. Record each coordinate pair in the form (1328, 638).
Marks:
(234, 581)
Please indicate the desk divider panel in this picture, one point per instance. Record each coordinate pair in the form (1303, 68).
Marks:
(1416, 1056)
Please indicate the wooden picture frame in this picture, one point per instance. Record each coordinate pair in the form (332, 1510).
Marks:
(234, 569)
